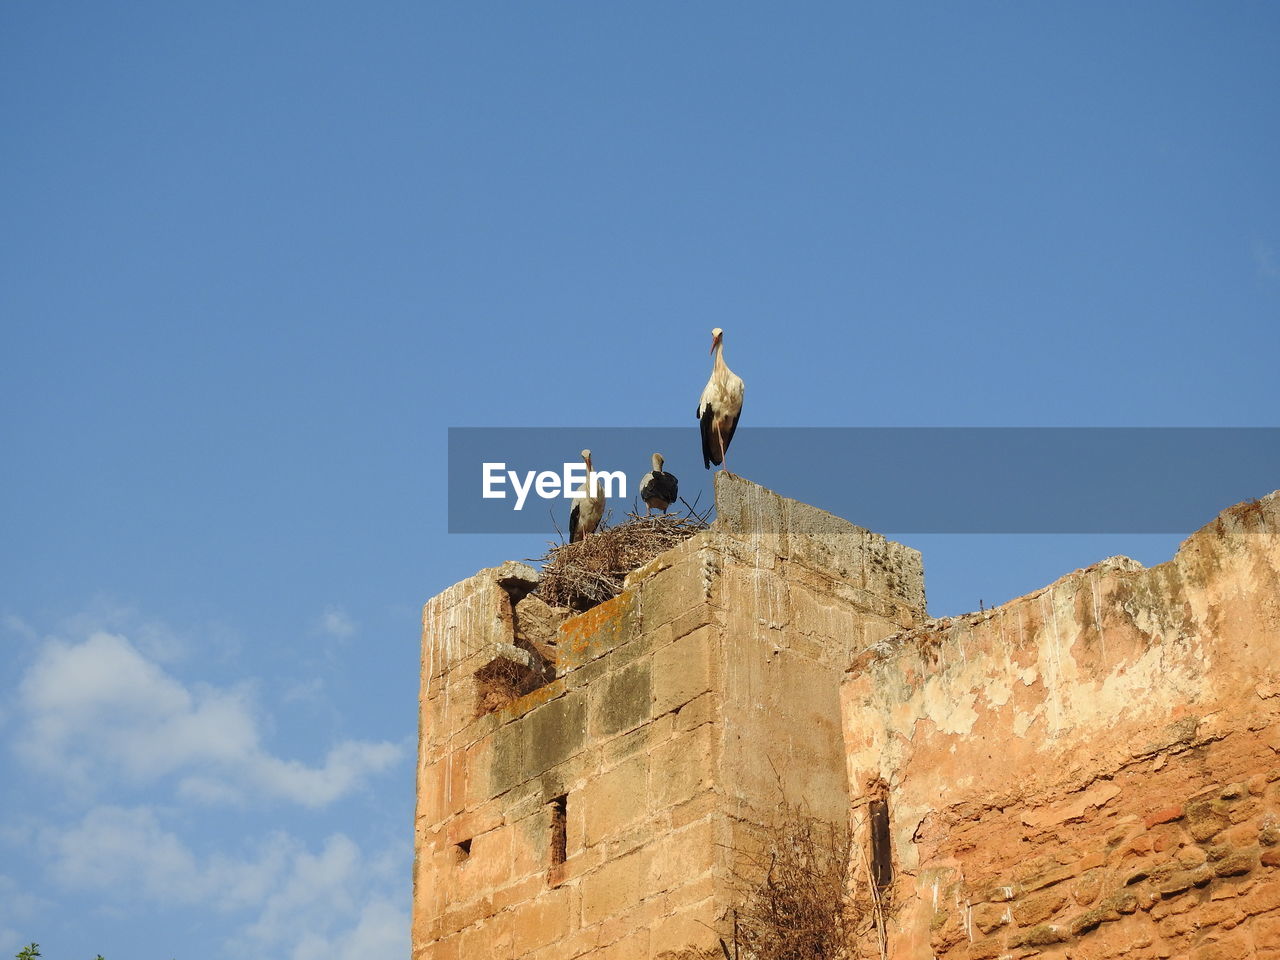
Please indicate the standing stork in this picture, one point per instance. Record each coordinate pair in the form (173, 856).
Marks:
(720, 406)
(658, 489)
(587, 509)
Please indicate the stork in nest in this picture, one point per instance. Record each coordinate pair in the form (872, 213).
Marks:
(587, 508)
(658, 489)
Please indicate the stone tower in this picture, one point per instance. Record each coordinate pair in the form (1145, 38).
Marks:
(585, 782)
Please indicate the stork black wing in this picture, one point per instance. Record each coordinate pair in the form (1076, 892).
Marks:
(732, 427)
(573, 523)
(666, 486)
(709, 453)
(659, 484)
(650, 486)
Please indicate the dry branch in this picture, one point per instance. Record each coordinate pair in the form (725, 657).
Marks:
(588, 572)
(795, 896)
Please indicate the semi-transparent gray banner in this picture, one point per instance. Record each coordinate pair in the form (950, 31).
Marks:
(889, 479)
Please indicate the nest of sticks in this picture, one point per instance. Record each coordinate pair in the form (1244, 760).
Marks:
(583, 574)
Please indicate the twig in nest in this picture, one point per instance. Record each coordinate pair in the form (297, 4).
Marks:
(592, 570)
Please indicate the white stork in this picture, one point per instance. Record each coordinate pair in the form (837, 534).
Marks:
(587, 510)
(720, 405)
(658, 489)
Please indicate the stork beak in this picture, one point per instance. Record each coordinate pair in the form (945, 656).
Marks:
(714, 341)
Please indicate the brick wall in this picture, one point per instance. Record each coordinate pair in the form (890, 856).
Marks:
(1090, 771)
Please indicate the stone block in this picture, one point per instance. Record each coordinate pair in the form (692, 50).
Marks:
(634, 946)
(476, 941)
(483, 867)
(680, 934)
(613, 887)
(676, 857)
(1044, 935)
(539, 922)
(1163, 815)
(754, 601)
(580, 943)
(614, 800)
(746, 511)
(691, 620)
(537, 622)
(597, 631)
(673, 592)
(1229, 946)
(516, 893)
(681, 767)
(640, 740)
(990, 916)
(684, 670)
(1236, 864)
(1262, 898)
(987, 949)
(580, 863)
(1266, 932)
(530, 846)
(621, 700)
(694, 892)
(556, 731)
(508, 765)
(1039, 908)
(701, 805)
(704, 709)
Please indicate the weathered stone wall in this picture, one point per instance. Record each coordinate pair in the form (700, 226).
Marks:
(600, 814)
(798, 591)
(505, 866)
(1089, 771)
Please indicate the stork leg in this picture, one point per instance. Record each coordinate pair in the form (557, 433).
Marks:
(724, 454)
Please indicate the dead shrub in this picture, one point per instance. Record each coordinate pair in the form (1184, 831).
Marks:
(502, 681)
(795, 900)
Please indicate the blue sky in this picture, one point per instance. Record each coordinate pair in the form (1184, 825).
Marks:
(257, 258)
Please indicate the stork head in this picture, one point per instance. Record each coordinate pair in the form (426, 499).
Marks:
(717, 336)
(658, 462)
(586, 458)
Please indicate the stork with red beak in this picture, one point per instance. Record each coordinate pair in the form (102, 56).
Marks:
(720, 406)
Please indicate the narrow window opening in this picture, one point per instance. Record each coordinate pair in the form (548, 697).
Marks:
(559, 836)
(462, 850)
(881, 843)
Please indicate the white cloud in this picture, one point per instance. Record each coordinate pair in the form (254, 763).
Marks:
(336, 623)
(101, 708)
(309, 691)
(337, 881)
(382, 930)
(112, 843)
(156, 639)
(345, 766)
(335, 903)
(125, 852)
